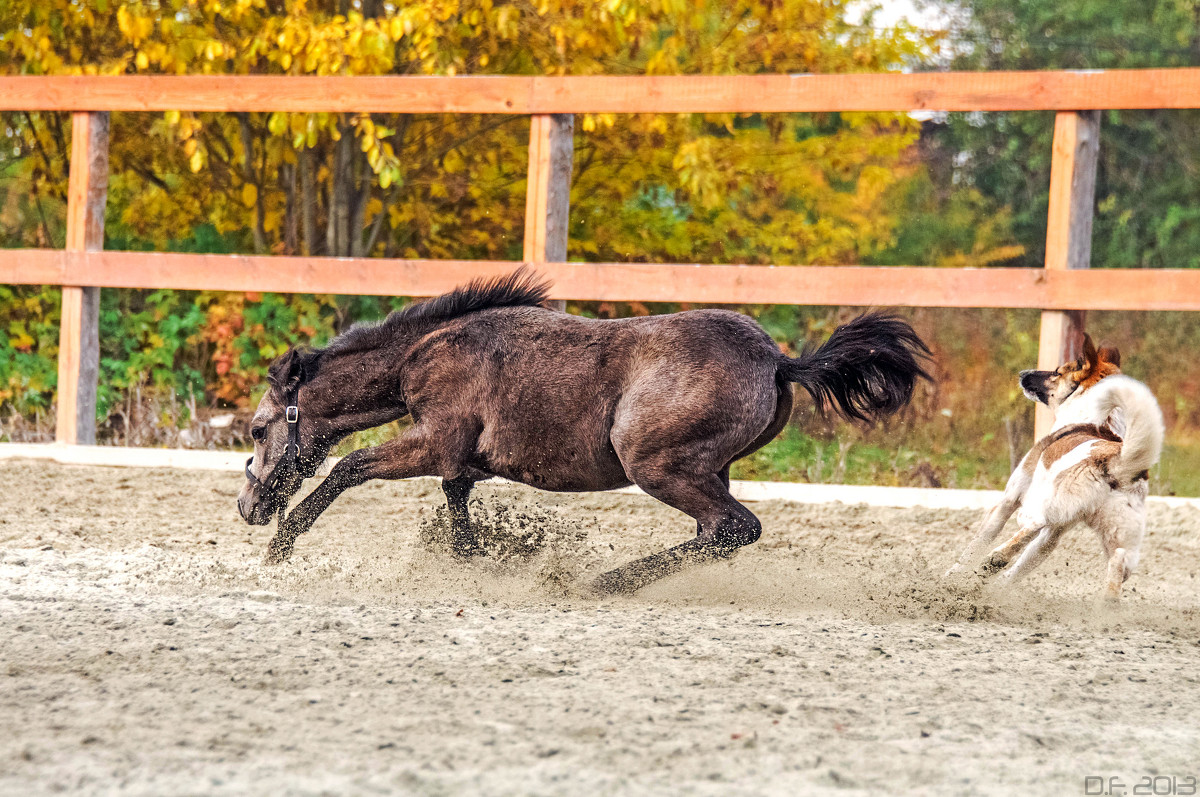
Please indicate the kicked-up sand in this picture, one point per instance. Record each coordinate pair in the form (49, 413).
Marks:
(144, 649)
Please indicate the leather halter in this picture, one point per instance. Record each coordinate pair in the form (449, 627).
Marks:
(291, 454)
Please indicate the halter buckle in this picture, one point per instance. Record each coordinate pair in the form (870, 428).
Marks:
(293, 414)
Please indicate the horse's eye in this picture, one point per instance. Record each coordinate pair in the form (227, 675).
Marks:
(259, 433)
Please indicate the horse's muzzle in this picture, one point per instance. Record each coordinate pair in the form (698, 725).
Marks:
(253, 508)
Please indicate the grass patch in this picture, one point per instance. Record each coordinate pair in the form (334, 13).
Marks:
(798, 457)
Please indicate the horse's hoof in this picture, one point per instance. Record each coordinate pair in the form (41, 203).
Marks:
(611, 583)
(277, 553)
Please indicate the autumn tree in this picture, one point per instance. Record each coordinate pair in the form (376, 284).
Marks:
(785, 188)
(799, 188)
(1147, 200)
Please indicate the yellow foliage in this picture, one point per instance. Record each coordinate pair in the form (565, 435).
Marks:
(742, 188)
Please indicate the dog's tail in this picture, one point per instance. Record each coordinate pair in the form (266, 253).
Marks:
(1143, 439)
(867, 369)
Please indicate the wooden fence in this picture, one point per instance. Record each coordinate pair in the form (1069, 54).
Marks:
(1061, 289)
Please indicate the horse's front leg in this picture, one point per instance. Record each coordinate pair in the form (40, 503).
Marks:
(408, 455)
(465, 541)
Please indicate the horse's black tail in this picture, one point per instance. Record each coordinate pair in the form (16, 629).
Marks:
(867, 369)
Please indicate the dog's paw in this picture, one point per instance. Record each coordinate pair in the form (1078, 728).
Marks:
(993, 564)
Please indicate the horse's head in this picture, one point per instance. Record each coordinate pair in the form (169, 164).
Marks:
(285, 449)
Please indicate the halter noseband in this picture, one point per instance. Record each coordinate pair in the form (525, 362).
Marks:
(291, 454)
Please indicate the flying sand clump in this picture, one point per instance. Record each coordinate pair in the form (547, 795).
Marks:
(518, 537)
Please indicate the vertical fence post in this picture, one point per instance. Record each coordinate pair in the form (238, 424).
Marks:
(1068, 234)
(548, 196)
(79, 333)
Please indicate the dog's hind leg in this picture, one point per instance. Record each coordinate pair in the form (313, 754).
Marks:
(1116, 575)
(1121, 528)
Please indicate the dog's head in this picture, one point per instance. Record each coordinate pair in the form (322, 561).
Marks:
(1052, 388)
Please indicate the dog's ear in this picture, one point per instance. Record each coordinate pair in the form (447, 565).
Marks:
(1089, 353)
(1110, 355)
(1085, 362)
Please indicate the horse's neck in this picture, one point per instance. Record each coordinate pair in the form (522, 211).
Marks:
(348, 395)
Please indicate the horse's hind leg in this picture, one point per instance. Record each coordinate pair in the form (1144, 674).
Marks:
(724, 477)
(725, 525)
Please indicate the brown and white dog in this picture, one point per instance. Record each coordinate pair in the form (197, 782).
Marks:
(1091, 468)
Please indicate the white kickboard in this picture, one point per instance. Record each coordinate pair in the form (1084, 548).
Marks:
(235, 461)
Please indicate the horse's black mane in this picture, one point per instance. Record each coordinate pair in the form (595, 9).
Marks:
(518, 289)
(522, 288)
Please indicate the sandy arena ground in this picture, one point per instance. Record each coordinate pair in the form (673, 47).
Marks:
(145, 650)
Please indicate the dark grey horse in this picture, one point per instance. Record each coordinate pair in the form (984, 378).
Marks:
(498, 385)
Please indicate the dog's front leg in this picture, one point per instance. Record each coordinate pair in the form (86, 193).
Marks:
(993, 522)
(1001, 557)
(1034, 550)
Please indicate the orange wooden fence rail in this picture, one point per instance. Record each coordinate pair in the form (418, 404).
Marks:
(898, 286)
(1059, 290)
(945, 91)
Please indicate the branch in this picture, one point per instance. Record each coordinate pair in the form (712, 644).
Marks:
(377, 224)
(37, 141)
(150, 176)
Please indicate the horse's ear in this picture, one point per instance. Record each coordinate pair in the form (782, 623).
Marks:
(278, 370)
(294, 368)
(305, 367)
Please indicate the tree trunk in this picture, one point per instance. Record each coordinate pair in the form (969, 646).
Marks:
(291, 223)
(308, 210)
(358, 212)
(342, 178)
(260, 237)
(377, 225)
